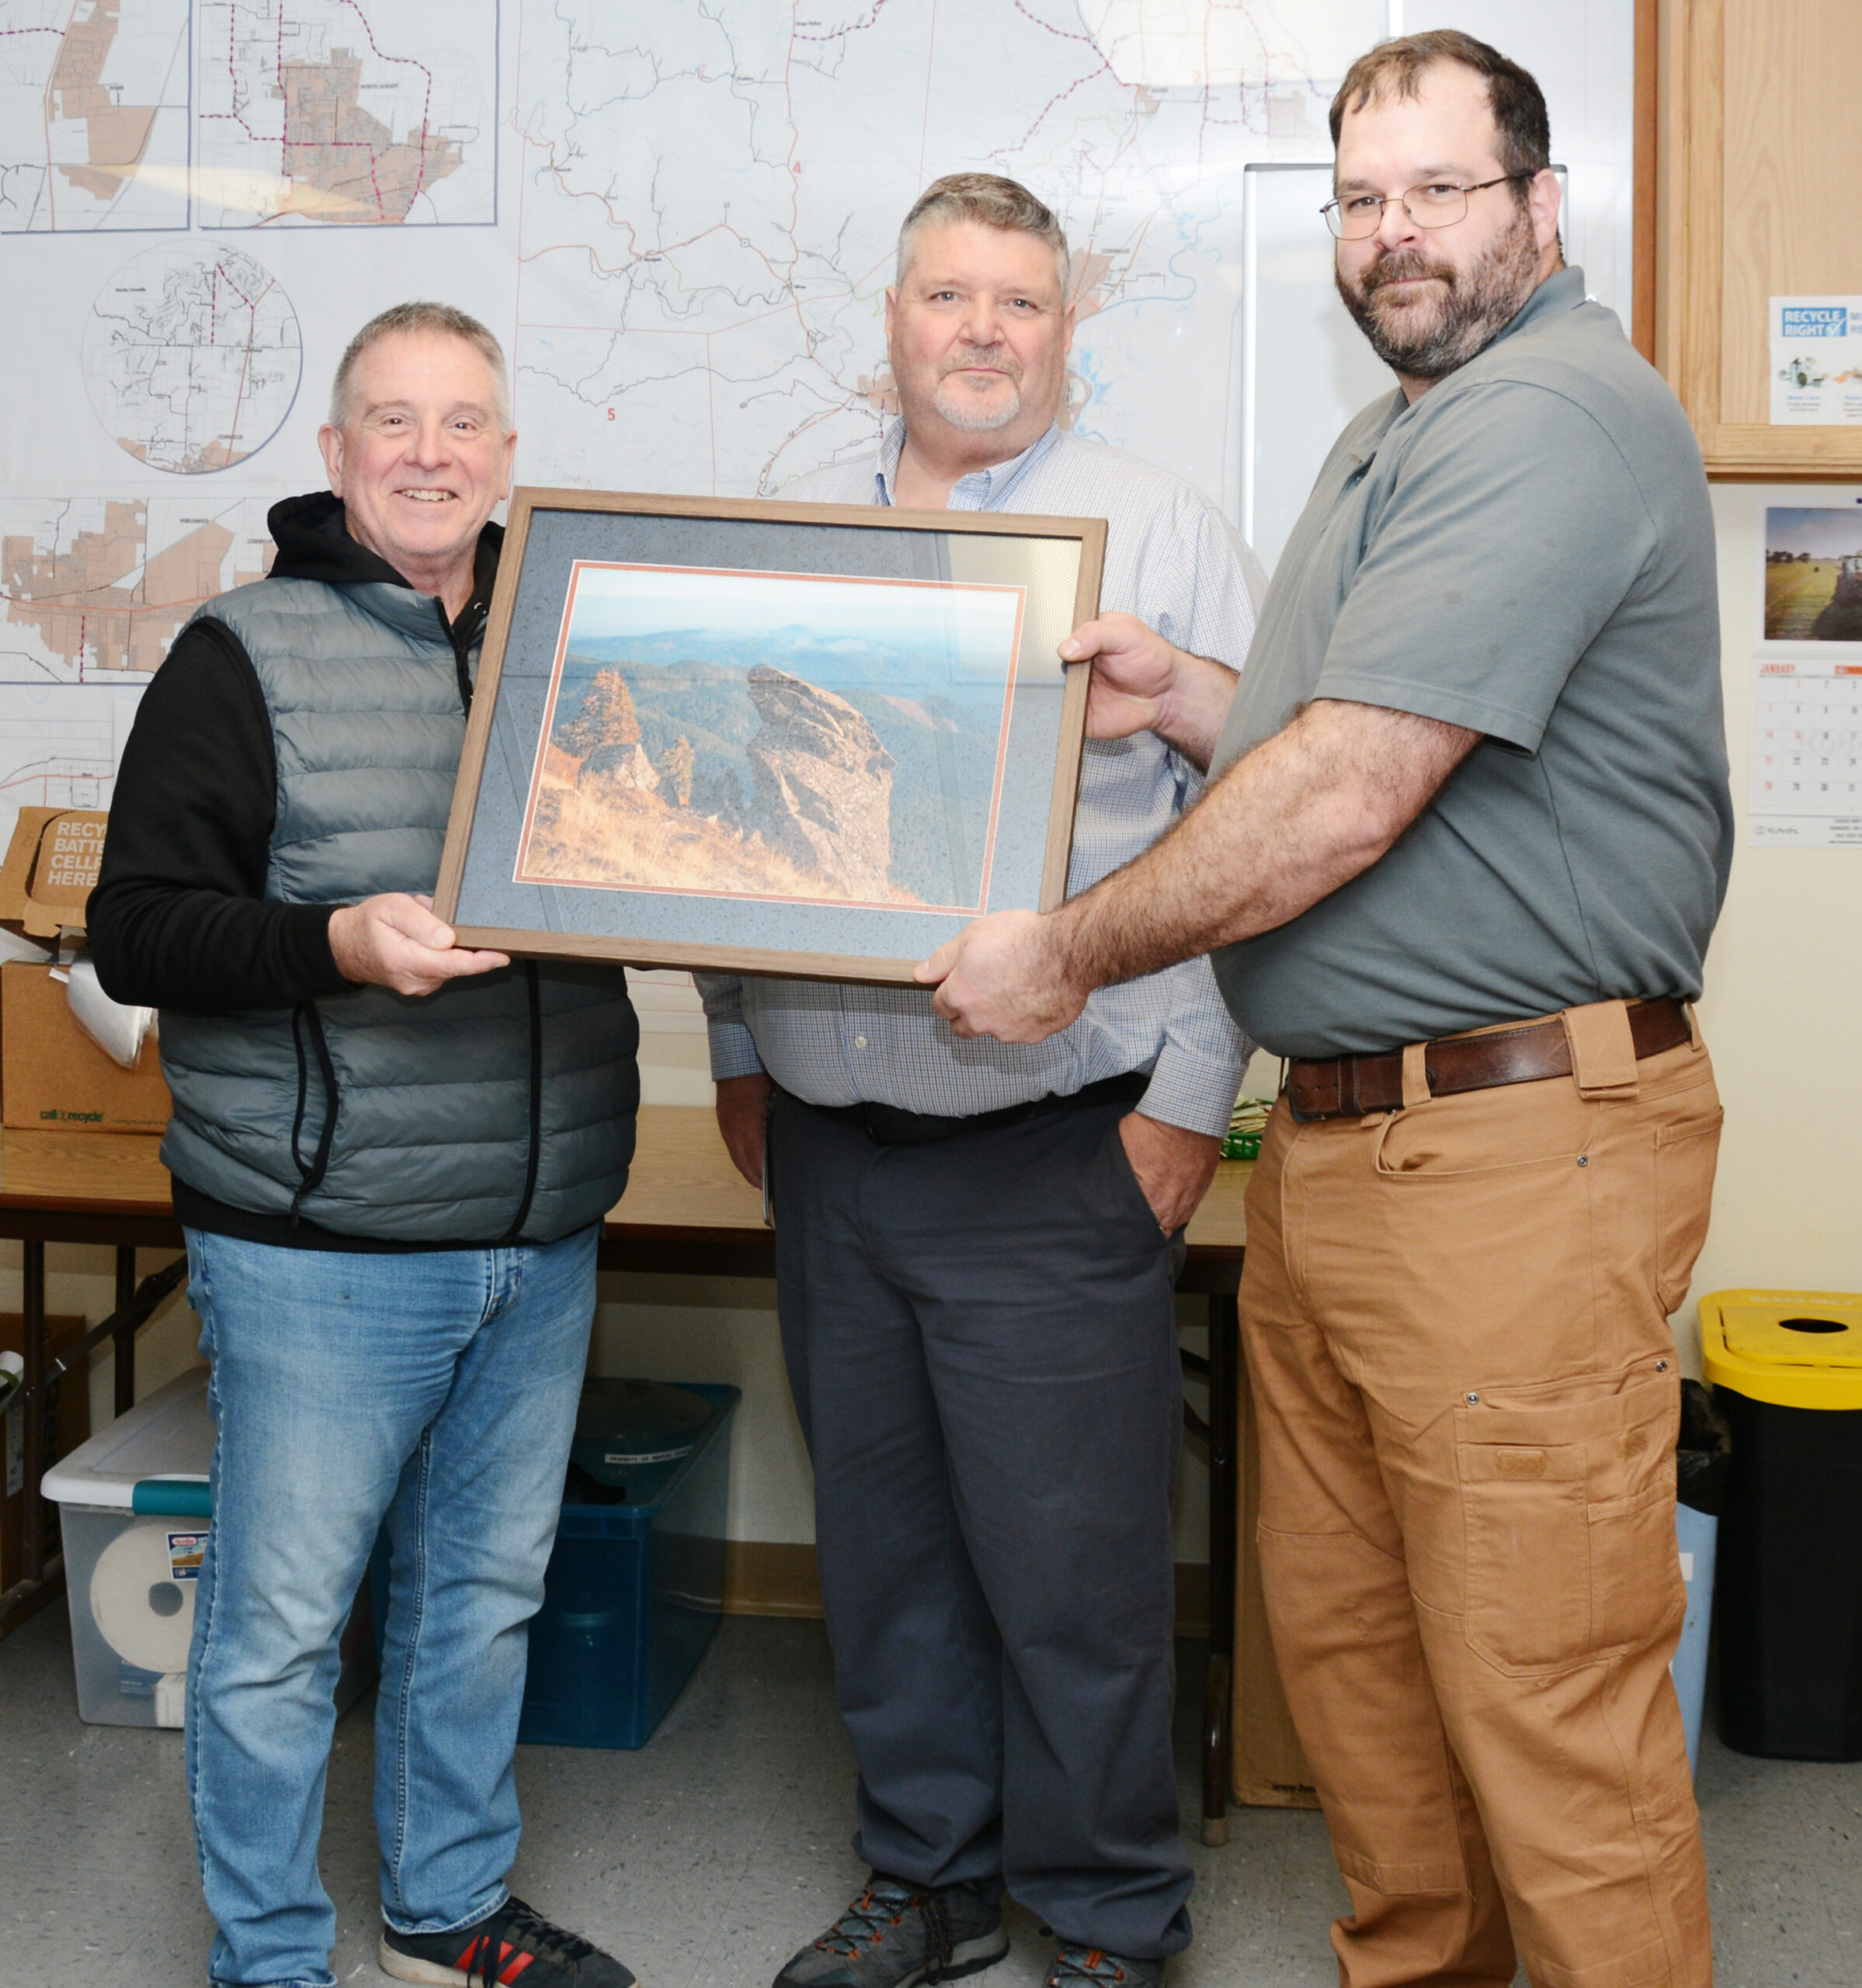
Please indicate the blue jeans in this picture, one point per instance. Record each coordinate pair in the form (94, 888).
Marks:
(438, 1390)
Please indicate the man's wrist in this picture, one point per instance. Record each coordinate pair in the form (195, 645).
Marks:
(1069, 949)
(1181, 1131)
(340, 935)
(1192, 710)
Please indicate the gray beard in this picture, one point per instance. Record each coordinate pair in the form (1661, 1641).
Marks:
(1483, 299)
(949, 401)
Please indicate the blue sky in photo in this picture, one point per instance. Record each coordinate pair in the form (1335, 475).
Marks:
(1825, 532)
(958, 634)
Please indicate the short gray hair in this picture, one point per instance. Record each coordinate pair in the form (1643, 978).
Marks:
(992, 201)
(421, 316)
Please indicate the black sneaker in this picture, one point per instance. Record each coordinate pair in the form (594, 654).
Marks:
(1092, 1967)
(514, 1945)
(894, 1935)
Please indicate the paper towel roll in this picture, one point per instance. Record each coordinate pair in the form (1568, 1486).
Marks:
(116, 1029)
(144, 1614)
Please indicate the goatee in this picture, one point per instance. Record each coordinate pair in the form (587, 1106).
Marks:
(1427, 336)
(962, 407)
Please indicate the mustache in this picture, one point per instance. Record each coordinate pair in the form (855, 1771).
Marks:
(998, 357)
(1401, 265)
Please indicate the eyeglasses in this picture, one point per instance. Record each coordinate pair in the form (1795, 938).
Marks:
(1440, 204)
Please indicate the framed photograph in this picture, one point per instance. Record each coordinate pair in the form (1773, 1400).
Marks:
(813, 739)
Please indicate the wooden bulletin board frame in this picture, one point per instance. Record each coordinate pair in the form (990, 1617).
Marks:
(1763, 84)
(454, 891)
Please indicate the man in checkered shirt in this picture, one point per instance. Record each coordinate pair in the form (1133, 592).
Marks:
(976, 1244)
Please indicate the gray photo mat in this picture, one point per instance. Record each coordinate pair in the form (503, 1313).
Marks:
(489, 896)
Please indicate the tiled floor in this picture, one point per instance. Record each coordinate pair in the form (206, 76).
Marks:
(706, 1858)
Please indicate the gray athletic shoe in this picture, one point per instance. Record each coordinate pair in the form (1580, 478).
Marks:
(894, 1936)
(1089, 1967)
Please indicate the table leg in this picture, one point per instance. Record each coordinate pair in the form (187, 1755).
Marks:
(32, 1514)
(1225, 1377)
(126, 1335)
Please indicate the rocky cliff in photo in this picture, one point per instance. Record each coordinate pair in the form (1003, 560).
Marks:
(822, 785)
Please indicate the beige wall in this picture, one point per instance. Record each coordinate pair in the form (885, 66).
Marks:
(1782, 1008)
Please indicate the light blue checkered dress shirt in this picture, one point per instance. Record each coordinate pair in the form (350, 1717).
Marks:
(1172, 560)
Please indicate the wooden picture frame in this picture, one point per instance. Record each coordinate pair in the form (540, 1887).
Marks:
(930, 776)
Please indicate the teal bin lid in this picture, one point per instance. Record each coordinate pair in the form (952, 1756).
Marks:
(625, 1427)
(634, 1442)
(172, 1498)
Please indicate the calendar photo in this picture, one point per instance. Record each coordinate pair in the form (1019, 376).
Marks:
(1813, 573)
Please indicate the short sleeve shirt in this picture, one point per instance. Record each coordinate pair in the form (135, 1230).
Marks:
(1528, 552)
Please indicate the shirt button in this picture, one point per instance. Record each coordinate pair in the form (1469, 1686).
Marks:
(860, 1042)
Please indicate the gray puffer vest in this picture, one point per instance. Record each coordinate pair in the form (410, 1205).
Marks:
(500, 1108)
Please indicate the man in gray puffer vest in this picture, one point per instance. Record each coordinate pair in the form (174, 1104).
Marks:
(390, 1157)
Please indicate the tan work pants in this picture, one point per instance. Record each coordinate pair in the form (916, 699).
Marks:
(1455, 1317)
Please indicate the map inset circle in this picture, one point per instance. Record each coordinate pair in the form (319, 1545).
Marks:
(191, 357)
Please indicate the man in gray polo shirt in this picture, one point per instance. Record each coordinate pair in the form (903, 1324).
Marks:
(1468, 834)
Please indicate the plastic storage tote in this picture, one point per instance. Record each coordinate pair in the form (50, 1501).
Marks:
(135, 1512)
(1787, 1368)
(635, 1581)
(636, 1584)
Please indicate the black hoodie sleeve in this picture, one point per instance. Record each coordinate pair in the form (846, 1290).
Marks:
(178, 919)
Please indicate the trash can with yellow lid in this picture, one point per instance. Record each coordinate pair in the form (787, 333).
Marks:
(1787, 1369)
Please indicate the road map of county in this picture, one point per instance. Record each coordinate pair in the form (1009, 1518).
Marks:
(346, 111)
(93, 115)
(91, 586)
(59, 745)
(191, 357)
(711, 319)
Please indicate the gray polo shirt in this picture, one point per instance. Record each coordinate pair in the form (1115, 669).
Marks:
(1527, 551)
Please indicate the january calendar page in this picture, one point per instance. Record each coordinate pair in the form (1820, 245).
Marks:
(1806, 755)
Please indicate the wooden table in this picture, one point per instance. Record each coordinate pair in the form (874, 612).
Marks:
(687, 1212)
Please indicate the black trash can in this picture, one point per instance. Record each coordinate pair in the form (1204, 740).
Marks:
(1786, 1366)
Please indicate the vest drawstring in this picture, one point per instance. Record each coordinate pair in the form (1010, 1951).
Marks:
(311, 1177)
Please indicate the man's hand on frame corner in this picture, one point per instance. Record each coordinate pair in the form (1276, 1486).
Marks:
(1173, 1166)
(743, 1112)
(1004, 975)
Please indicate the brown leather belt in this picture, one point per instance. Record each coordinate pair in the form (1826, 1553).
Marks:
(1348, 1087)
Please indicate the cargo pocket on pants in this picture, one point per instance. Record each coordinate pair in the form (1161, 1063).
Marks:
(1568, 1501)
(1685, 1156)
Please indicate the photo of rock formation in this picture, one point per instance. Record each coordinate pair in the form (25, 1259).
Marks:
(848, 755)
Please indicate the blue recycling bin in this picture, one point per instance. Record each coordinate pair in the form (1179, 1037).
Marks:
(635, 1584)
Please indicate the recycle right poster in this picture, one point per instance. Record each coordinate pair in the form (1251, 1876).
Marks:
(1816, 361)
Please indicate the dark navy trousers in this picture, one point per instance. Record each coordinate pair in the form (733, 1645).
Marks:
(979, 1336)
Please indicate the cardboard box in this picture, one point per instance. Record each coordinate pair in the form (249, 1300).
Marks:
(53, 1078)
(66, 1409)
(51, 869)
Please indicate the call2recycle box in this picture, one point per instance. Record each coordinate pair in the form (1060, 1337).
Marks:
(52, 1077)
